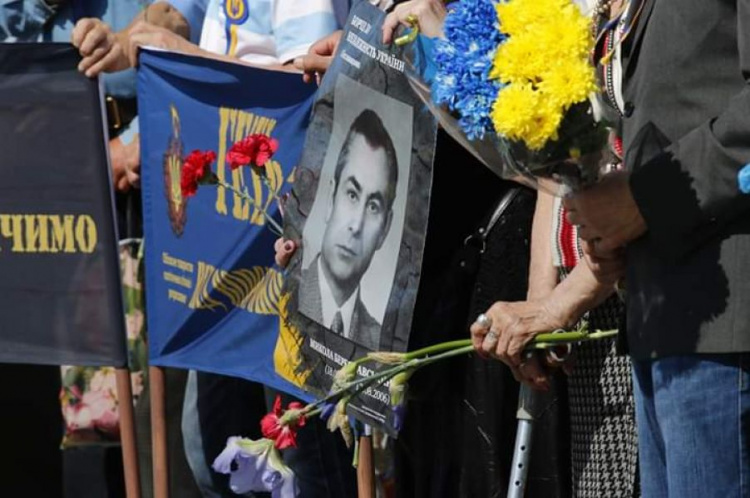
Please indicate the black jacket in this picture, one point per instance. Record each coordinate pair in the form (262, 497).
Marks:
(687, 134)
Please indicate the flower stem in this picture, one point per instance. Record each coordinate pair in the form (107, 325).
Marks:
(421, 357)
(312, 411)
(355, 457)
(543, 341)
(414, 364)
(437, 348)
(274, 225)
(271, 190)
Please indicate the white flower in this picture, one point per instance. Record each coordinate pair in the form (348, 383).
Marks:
(256, 466)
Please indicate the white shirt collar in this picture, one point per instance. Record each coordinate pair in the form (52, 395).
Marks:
(329, 303)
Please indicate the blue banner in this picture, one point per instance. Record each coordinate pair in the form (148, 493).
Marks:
(213, 294)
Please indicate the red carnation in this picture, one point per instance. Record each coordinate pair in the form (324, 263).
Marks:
(195, 170)
(253, 150)
(281, 427)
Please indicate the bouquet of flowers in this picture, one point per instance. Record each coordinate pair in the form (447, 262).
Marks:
(514, 83)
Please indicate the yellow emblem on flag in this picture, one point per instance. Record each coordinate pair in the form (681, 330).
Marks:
(286, 355)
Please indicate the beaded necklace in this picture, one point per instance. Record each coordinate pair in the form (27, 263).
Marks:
(609, 38)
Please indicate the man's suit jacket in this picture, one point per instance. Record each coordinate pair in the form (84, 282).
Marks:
(687, 134)
(365, 330)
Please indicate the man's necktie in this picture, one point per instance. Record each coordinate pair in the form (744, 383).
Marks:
(338, 324)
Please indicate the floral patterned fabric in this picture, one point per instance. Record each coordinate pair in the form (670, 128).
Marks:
(88, 395)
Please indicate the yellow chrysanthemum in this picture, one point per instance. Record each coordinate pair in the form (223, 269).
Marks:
(518, 60)
(569, 40)
(512, 113)
(520, 114)
(520, 16)
(569, 83)
(547, 120)
(545, 64)
(549, 33)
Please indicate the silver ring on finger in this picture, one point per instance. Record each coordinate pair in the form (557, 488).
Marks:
(492, 336)
(484, 321)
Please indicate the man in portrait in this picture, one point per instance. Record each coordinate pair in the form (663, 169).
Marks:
(358, 218)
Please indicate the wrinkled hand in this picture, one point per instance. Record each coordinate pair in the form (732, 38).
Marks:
(513, 326)
(430, 15)
(102, 49)
(318, 58)
(606, 215)
(126, 164)
(285, 249)
(145, 34)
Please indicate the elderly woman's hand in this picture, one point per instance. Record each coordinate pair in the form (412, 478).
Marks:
(429, 14)
(508, 328)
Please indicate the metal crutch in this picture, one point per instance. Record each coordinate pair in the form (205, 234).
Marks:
(531, 404)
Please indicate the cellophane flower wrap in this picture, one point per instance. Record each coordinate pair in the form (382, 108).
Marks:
(514, 82)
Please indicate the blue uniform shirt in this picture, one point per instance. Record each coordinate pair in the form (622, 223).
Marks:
(35, 21)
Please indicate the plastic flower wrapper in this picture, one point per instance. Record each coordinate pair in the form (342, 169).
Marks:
(255, 466)
(513, 83)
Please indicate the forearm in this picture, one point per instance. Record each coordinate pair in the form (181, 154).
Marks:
(165, 16)
(577, 294)
(543, 275)
(196, 50)
(161, 15)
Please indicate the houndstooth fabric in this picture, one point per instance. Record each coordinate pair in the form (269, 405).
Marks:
(604, 445)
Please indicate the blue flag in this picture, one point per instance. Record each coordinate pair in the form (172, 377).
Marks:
(214, 295)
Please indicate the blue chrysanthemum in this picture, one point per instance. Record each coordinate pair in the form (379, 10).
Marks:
(464, 61)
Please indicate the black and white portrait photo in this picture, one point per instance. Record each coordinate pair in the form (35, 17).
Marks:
(358, 214)
(353, 234)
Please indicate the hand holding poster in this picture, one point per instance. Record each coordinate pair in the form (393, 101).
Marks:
(359, 207)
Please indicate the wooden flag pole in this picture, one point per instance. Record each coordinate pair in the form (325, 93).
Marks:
(366, 466)
(159, 432)
(127, 433)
